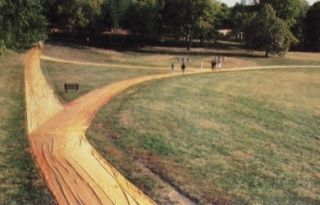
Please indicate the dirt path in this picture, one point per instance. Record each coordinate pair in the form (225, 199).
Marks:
(73, 170)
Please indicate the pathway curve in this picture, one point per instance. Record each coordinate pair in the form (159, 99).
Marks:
(74, 172)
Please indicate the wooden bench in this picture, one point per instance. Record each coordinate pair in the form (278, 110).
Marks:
(71, 86)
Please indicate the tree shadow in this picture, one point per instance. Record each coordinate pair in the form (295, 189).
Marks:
(147, 45)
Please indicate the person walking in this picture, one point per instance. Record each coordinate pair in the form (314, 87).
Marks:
(213, 64)
(183, 67)
(173, 69)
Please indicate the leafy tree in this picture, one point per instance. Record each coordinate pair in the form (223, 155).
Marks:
(114, 11)
(190, 18)
(22, 23)
(288, 10)
(312, 27)
(222, 18)
(268, 32)
(74, 15)
(241, 16)
(298, 28)
(143, 17)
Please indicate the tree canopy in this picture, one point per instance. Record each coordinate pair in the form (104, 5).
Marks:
(190, 18)
(287, 10)
(22, 23)
(312, 27)
(268, 32)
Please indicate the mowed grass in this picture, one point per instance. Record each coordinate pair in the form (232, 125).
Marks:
(20, 182)
(162, 57)
(225, 138)
(88, 77)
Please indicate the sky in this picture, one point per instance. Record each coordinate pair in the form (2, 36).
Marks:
(233, 2)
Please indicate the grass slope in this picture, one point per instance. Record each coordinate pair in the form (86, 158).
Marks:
(89, 77)
(20, 182)
(228, 138)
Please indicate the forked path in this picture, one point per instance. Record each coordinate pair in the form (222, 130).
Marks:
(74, 172)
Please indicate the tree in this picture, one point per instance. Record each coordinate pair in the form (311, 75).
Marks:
(287, 10)
(22, 23)
(74, 15)
(268, 32)
(222, 18)
(241, 16)
(113, 12)
(143, 17)
(298, 28)
(190, 18)
(312, 27)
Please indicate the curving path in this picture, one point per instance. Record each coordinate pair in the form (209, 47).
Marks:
(72, 169)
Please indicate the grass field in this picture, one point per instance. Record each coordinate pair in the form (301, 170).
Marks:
(20, 182)
(89, 77)
(162, 57)
(228, 138)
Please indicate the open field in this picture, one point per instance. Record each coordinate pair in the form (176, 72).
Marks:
(89, 77)
(20, 182)
(162, 57)
(229, 138)
(153, 60)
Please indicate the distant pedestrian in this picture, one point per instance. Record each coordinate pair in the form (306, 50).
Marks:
(173, 69)
(183, 67)
(213, 64)
(201, 65)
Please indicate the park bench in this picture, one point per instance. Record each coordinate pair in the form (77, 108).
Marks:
(71, 86)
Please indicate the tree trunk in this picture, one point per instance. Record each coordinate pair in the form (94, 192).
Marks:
(190, 40)
(267, 54)
(201, 41)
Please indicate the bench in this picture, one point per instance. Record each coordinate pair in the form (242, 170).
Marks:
(71, 86)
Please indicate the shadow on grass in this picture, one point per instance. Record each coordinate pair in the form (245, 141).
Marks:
(170, 47)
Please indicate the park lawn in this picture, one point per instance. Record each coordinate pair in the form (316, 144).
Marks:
(162, 57)
(225, 138)
(20, 181)
(148, 57)
(88, 77)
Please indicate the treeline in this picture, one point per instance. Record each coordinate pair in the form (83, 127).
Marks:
(271, 25)
(277, 25)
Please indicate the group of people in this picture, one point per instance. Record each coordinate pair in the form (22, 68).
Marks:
(216, 63)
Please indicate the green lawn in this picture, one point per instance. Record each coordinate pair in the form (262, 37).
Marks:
(226, 138)
(20, 182)
(89, 77)
(162, 57)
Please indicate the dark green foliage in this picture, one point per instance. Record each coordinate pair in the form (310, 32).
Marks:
(241, 16)
(142, 17)
(269, 33)
(222, 18)
(74, 15)
(288, 10)
(298, 28)
(190, 18)
(22, 23)
(113, 12)
(312, 29)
